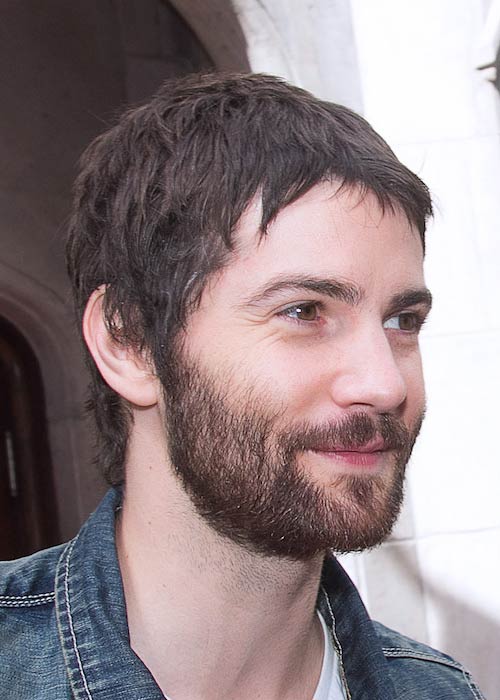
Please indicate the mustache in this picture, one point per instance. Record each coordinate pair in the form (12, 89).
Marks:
(354, 431)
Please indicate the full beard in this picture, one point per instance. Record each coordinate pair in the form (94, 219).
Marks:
(244, 477)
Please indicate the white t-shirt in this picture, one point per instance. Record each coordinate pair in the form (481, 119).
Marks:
(329, 685)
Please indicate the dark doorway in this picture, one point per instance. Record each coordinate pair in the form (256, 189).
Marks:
(27, 506)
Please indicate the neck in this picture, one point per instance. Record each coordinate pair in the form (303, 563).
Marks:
(207, 617)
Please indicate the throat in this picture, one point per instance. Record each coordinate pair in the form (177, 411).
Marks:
(210, 620)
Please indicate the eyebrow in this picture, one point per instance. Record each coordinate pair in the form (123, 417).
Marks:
(411, 297)
(344, 291)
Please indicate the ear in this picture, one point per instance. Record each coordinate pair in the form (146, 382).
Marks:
(126, 371)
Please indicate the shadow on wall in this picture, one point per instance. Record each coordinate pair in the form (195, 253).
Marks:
(456, 626)
(217, 27)
(497, 64)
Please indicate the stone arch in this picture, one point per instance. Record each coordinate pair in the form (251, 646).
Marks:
(43, 319)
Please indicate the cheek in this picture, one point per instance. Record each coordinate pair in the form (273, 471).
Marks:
(414, 378)
(294, 381)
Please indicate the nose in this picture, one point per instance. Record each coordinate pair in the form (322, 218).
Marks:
(369, 375)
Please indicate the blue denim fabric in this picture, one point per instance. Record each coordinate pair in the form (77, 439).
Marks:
(64, 634)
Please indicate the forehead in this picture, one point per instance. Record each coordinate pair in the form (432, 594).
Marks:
(327, 233)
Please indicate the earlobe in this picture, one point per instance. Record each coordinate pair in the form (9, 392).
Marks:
(126, 371)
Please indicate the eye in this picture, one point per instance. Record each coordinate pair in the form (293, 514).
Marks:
(306, 312)
(409, 322)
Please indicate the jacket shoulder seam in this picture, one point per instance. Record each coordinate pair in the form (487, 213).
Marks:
(415, 654)
(401, 652)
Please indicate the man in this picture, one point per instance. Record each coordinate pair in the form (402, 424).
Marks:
(247, 266)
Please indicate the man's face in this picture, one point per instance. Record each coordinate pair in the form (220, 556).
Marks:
(297, 391)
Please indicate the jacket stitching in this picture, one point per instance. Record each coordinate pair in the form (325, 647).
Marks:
(70, 618)
(473, 687)
(338, 646)
(24, 601)
(401, 651)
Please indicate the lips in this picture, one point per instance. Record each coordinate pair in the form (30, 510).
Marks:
(368, 456)
(377, 445)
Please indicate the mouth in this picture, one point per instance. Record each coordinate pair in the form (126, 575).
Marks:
(371, 455)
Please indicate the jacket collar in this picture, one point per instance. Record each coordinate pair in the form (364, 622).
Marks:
(362, 662)
(92, 616)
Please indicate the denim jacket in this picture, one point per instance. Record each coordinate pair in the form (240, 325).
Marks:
(64, 634)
